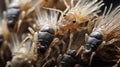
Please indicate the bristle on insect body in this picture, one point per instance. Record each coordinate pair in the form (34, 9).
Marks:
(85, 9)
(47, 18)
(110, 22)
(23, 49)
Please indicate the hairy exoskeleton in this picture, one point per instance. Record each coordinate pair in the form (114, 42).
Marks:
(78, 17)
(47, 22)
(24, 53)
(20, 13)
(105, 35)
(82, 12)
(47, 41)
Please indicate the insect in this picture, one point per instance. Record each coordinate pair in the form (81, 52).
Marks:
(40, 44)
(65, 21)
(47, 41)
(19, 11)
(71, 58)
(68, 59)
(105, 32)
(47, 23)
(12, 15)
(23, 53)
(80, 13)
(45, 37)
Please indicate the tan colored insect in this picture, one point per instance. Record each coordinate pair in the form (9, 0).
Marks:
(84, 10)
(82, 13)
(24, 52)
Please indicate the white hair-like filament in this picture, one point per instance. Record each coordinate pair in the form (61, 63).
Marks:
(47, 18)
(14, 45)
(21, 49)
(86, 8)
(109, 22)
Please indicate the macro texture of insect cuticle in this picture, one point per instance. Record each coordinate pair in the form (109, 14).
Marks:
(59, 33)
